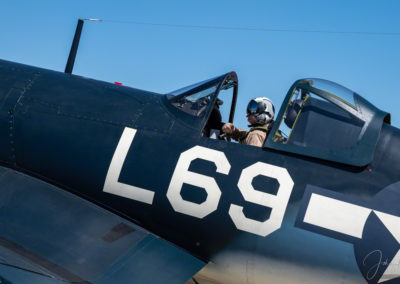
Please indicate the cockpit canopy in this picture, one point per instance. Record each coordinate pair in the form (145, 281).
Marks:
(324, 120)
(318, 118)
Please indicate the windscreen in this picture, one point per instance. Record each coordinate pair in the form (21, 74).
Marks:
(195, 99)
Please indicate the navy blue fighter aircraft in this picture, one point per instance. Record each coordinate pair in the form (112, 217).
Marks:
(102, 183)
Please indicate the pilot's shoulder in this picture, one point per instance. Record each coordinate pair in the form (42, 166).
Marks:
(256, 138)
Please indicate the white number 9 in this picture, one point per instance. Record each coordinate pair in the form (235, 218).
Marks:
(277, 203)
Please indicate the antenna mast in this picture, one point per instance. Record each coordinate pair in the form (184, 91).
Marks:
(75, 44)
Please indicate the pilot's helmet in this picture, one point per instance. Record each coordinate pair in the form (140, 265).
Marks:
(262, 109)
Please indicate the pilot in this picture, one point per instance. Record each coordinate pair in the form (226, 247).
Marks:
(260, 115)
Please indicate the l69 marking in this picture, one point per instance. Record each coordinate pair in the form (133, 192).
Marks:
(278, 203)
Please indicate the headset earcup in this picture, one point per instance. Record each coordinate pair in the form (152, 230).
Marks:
(262, 118)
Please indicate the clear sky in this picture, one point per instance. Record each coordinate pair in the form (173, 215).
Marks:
(269, 44)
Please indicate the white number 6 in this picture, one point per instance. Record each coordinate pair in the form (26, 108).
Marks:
(183, 175)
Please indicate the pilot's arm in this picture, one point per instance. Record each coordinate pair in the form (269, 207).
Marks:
(234, 132)
(253, 138)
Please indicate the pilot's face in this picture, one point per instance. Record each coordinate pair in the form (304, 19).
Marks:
(251, 119)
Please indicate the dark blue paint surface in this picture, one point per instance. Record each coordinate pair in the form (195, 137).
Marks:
(64, 129)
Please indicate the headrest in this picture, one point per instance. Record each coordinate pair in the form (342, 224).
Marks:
(292, 112)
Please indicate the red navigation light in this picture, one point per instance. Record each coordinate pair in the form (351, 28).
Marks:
(118, 83)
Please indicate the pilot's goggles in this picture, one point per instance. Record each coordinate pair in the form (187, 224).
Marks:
(252, 107)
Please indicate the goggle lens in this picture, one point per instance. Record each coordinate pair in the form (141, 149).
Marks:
(252, 107)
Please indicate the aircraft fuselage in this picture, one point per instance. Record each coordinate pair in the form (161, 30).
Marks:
(124, 150)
